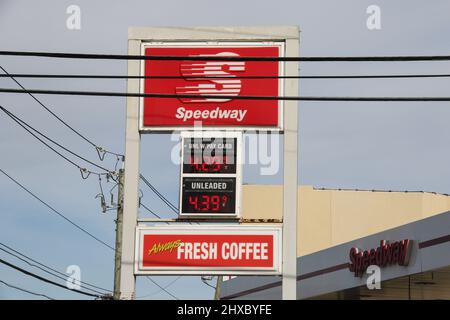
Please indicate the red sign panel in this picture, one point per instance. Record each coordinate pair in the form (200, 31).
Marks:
(204, 250)
(201, 78)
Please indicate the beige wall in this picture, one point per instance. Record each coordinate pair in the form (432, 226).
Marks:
(331, 217)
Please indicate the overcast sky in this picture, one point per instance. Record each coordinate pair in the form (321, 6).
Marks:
(369, 145)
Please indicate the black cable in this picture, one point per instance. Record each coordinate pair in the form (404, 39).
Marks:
(162, 288)
(203, 77)
(41, 266)
(65, 218)
(219, 58)
(45, 279)
(54, 150)
(17, 119)
(150, 211)
(57, 117)
(164, 199)
(211, 96)
(55, 211)
(209, 285)
(46, 271)
(23, 124)
(26, 291)
(160, 195)
(165, 287)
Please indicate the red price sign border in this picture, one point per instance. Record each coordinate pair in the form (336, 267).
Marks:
(274, 230)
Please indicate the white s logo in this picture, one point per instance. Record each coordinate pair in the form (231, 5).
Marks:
(221, 86)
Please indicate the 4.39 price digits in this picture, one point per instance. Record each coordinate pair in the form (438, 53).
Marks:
(208, 203)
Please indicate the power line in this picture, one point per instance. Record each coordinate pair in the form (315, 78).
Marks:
(22, 124)
(205, 281)
(150, 211)
(56, 211)
(162, 288)
(222, 58)
(26, 291)
(97, 148)
(26, 126)
(165, 287)
(206, 77)
(39, 265)
(45, 279)
(211, 96)
(159, 195)
(46, 271)
(68, 220)
(61, 155)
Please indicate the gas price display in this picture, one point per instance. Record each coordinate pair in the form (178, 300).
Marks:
(210, 175)
(209, 155)
(202, 195)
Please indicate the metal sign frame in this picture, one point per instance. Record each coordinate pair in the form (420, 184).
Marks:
(213, 229)
(290, 35)
(237, 175)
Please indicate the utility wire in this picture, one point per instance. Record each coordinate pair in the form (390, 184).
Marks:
(211, 96)
(46, 271)
(54, 150)
(56, 211)
(206, 282)
(97, 148)
(164, 199)
(45, 279)
(26, 126)
(26, 291)
(17, 120)
(221, 58)
(41, 266)
(165, 287)
(162, 288)
(206, 77)
(73, 223)
(150, 211)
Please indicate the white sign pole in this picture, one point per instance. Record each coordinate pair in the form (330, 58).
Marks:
(290, 183)
(131, 184)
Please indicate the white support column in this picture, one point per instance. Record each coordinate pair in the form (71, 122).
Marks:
(131, 185)
(290, 183)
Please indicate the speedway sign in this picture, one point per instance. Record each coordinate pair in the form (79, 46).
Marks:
(207, 81)
(208, 249)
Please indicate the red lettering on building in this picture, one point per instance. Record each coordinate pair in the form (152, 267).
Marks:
(386, 254)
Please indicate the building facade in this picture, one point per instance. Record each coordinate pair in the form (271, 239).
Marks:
(343, 232)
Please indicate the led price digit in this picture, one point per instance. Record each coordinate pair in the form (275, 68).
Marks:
(208, 203)
(208, 164)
